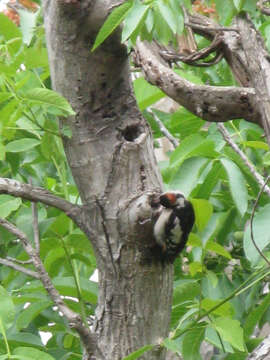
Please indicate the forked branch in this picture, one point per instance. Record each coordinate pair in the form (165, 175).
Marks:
(208, 102)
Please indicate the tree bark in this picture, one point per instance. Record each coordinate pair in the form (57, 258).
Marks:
(112, 161)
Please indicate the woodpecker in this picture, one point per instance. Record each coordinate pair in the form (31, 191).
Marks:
(173, 224)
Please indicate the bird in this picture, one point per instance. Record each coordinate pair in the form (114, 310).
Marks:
(173, 225)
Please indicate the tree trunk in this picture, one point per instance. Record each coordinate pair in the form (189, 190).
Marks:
(112, 161)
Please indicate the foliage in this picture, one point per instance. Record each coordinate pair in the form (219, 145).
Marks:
(218, 287)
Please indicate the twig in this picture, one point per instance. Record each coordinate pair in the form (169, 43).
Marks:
(205, 27)
(22, 262)
(254, 172)
(35, 226)
(74, 319)
(251, 221)
(19, 268)
(192, 59)
(164, 130)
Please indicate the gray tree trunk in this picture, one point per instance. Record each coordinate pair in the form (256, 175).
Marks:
(112, 161)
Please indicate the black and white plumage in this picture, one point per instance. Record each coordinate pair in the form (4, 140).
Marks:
(173, 224)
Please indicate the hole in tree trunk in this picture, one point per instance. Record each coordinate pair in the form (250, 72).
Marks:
(131, 132)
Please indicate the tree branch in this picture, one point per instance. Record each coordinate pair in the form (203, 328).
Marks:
(164, 130)
(35, 226)
(74, 319)
(192, 59)
(19, 268)
(208, 102)
(243, 156)
(29, 192)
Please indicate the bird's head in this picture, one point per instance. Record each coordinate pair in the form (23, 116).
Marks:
(172, 199)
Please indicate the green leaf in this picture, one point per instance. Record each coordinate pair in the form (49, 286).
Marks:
(225, 310)
(238, 4)
(24, 339)
(231, 331)
(186, 177)
(162, 30)
(213, 337)
(237, 185)
(226, 11)
(47, 98)
(56, 255)
(136, 354)
(203, 211)
(146, 94)
(214, 226)
(193, 145)
(255, 316)
(185, 290)
(35, 57)
(30, 313)
(7, 309)
(261, 232)
(192, 342)
(185, 123)
(66, 286)
(5, 96)
(210, 180)
(8, 204)
(218, 249)
(32, 353)
(2, 151)
(172, 345)
(22, 145)
(195, 267)
(194, 240)
(168, 15)
(111, 23)
(149, 20)
(28, 21)
(10, 32)
(134, 19)
(179, 312)
(178, 13)
(256, 145)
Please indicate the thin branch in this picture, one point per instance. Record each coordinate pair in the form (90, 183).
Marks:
(29, 192)
(192, 59)
(19, 268)
(19, 234)
(251, 222)
(22, 262)
(214, 28)
(74, 319)
(35, 226)
(164, 130)
(252, 169)
(35, 223)
(196, 55)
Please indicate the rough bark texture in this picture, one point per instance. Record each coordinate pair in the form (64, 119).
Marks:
(112, 160)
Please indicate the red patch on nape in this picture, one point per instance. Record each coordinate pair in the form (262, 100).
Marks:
(171, 197)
